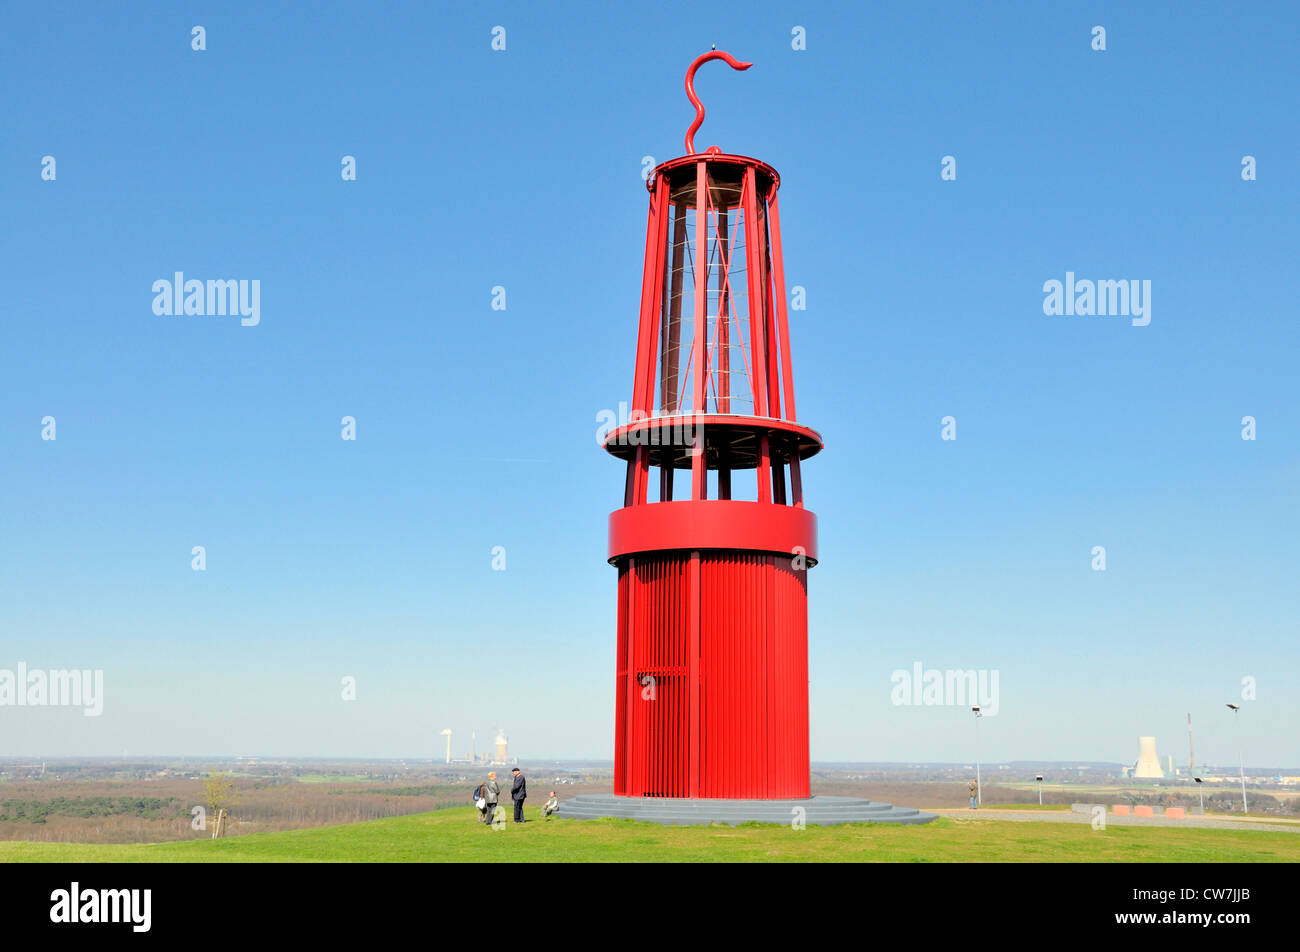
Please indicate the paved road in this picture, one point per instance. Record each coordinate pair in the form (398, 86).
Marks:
(1067, 816)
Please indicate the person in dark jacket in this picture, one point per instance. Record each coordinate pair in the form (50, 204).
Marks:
(519, 793)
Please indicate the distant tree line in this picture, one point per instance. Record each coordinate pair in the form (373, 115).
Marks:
(36, 811)
(428, 790)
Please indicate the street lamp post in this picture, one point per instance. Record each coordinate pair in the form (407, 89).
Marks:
(1199, 781)
(1039, 778)
(1241, 761)
(979, 787)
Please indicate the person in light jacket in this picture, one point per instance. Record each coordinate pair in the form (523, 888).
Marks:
(551, 807)
(519, 793)
(491, 793)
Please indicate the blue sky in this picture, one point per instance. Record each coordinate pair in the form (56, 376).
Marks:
(476, 428)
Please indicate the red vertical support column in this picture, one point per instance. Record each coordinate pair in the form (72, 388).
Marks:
(755, 286)
(724, 342)
(646, 396)
(757, 326)
(769, 321)
(783, 325)
(699, 470)
(783, 328)
(671, 336)
(648, 338)
(774, 344)
(651, 229)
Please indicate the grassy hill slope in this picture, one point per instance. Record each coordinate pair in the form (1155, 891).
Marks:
(453, 836)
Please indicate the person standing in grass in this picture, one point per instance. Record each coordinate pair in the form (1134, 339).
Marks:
(974, 795)
(491, 793)
(480, 801)
(519, 793)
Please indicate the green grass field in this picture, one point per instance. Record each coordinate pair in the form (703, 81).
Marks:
(453, 836)
(332, 778)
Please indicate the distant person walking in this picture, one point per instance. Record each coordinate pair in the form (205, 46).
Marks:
(491, 793)
(551, 807)
(519, 793)
(974, 794)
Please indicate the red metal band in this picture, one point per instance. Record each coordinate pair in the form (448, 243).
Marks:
(694, 524)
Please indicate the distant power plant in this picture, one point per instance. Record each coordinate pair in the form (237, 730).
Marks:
(499, 756)
(1148, 763)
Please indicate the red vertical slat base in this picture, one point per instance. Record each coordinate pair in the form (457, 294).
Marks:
(752, 714)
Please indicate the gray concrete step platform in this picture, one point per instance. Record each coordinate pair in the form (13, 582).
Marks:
(673, 811)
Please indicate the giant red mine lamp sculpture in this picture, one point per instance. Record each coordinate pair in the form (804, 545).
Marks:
(713, 543)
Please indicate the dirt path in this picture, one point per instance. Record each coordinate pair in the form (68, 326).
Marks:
(1067, 816)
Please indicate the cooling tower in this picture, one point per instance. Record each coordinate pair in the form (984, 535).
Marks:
(1148, 765)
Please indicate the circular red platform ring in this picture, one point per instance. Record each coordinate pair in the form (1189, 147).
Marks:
(716, 160)
(713, 524)
(670, 440)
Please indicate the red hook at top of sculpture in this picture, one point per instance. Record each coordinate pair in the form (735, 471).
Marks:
(695, 100)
